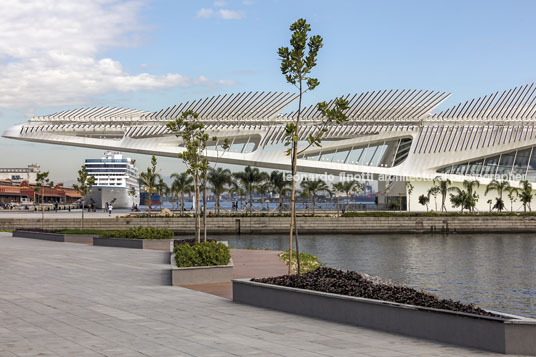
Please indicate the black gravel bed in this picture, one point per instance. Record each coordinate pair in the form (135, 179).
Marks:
(352, 283)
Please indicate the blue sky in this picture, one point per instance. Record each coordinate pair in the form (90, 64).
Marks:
(467, 48)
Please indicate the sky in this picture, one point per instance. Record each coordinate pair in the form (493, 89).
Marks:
(148, 55)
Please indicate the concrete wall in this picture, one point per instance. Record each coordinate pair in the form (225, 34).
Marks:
(487, 333)
(322, 225)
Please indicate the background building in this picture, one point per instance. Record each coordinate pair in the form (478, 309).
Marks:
(17, 175)
(391, 135)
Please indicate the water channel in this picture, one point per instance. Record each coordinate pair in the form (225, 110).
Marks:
(494, 271)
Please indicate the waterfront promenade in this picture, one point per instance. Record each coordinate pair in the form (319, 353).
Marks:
(64, 299)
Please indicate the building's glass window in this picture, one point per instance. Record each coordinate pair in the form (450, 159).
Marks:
(355, 155)
(378, 155)
(340, 156)
(521, 162)
(490, 165)
(327, 156)
(384, 154)
(506, 163)
(475, 167)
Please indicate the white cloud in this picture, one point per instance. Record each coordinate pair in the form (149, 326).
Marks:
(224, 14)
(230, 14)
(248, 2)
(49, 53)
(205, 13)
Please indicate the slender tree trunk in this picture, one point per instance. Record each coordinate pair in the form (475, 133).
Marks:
(217, 203)
(250, 200)
(197, 220)
(297, 247)
(314, 203)
(42, 208)
(294, 163)
(280, 204)
(205, 198)
(83, 204)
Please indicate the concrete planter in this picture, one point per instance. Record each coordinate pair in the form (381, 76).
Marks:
(510, 334)
(200, 275)
(155, 244)
(56, 237)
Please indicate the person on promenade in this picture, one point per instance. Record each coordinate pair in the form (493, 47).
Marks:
(110, 207)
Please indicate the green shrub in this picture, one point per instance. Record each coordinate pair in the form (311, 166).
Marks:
(139, 233)
(81, 231)
(201, 254)
(308, 262)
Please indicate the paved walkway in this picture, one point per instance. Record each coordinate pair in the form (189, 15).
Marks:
(247, 264)
(65, 299)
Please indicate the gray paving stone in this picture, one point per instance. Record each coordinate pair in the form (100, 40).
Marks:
(62, 299)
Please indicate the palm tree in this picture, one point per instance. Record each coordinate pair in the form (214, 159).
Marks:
(513, 193)
(162, 189)
(501, 186)
(526, 194)
(433, 191)
(236, 188)
(263, 187)
(219, 179)
(279, 185)
(443, 189)
(182, 184)
(346, 187)
(409, 189)
(358, 187)
(466, 199)
(338, 187)
(250, 177)
(148, 179)
(312, 187)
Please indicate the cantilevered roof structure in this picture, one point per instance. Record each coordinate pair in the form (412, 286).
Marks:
(389, 132)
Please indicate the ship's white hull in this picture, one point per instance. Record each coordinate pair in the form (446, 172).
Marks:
(117, 196)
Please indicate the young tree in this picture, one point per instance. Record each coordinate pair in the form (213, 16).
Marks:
(182, 184)
(409, 189)
(195, 139)
(526, 194)
(490, 202)
(219, 179)
(280, 185)
(424, 200)
(296, 66)
(86, 182)
(501, 186)
(41, 181)
(312, 188)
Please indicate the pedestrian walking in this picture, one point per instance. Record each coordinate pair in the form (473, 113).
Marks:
(110, 207)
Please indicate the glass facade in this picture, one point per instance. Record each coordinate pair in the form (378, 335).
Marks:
(514, 165)
(382, 154)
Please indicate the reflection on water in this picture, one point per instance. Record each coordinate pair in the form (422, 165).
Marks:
(495, 271)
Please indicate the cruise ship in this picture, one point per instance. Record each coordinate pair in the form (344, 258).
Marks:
(116, 181)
